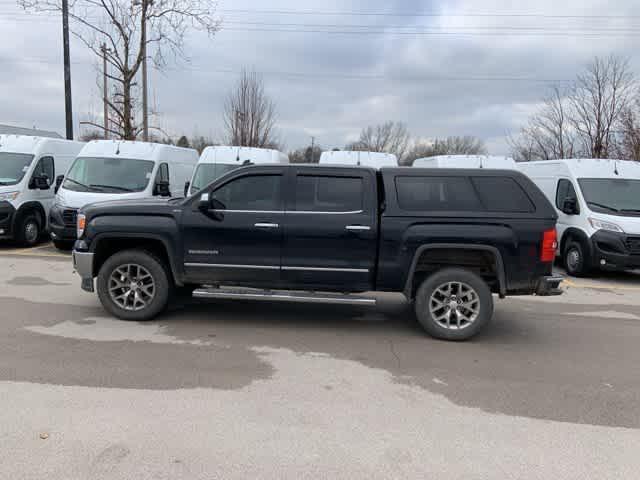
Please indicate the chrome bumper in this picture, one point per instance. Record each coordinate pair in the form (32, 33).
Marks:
(83, 265)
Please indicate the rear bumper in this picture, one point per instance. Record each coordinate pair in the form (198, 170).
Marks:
(615, 251)
(7, 216)
(549, 286)
(83, 265)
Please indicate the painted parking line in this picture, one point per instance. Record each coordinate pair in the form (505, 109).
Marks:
(598, 286)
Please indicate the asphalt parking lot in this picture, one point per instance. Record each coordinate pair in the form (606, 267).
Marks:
(255, 390)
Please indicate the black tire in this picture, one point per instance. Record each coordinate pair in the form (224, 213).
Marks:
(159, 275)
(64, 245)
(29, 230)
(575, 260)
(481, 303)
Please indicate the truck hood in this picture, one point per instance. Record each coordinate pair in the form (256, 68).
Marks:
(143, 206)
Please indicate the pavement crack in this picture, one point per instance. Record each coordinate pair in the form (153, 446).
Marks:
(392, 348)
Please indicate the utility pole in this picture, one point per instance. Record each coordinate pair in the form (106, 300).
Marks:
(313, 141)
(68, 110)
(103, 48)
(145, 110)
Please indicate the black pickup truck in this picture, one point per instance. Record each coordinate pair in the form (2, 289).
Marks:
(447, 239)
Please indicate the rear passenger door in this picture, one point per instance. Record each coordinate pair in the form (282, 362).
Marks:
(330, 229)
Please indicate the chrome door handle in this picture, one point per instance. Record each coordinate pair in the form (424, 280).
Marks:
(357, 228)
(266, 225)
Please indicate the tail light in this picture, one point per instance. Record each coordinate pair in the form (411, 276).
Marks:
(549, 246)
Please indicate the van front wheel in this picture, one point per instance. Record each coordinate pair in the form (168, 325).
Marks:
(29, 232)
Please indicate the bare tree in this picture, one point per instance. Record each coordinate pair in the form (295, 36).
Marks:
(549, 133)
(466, 145)
(629, 142)
(249, 114)
(390, 137)
(307, 154)
(598, 99)
(120, 25)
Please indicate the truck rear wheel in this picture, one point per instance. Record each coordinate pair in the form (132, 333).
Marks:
(134, 285)
(454, 304)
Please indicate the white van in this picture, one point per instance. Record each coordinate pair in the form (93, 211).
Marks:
(28, 170)
(117, 170)
(217, 161)
(365, 159)
(466, 161)
(598, 204)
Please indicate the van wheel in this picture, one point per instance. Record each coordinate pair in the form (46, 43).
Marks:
(29, 232)
(134, 285)
(63, 245)
(574, 259)
(454, 304)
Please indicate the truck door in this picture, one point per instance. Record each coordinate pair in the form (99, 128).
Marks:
(330, 233)
(238, 240)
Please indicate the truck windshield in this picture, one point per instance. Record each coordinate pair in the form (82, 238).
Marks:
(108, 175)
(13, 166)
(616, 196)
(208, 172)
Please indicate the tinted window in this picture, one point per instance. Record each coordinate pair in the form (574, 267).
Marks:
(45, 167)
(565, 190)
(256, 192)
(437, 194)
(502, 194)
(329, 194)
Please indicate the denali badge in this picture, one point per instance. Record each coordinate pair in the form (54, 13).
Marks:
(204, 252)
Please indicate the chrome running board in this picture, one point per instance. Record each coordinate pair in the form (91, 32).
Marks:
(282, 296)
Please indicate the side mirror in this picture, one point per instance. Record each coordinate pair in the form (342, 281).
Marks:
(162, 189)
(59, 180)
(570, 206)
(40, 182)
(186, 189)
(204, 203)
(211, 207)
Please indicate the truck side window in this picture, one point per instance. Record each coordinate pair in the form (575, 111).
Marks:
(565, 191)
(329, 194)
(253, 192)
(45, 167)
(502, 194)
(443, 194)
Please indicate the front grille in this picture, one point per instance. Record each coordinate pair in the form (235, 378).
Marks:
(69, 217)
(633, 245)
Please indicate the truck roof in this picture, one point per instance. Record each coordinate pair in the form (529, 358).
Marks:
(136, 150)
(29, 145)
(583, 168)
(240, 155)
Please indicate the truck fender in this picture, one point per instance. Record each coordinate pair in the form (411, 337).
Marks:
(502, 284)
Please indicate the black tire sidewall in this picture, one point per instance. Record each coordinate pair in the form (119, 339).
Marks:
(580, 270)
(22, 237)
(157, 271)
(432, 282)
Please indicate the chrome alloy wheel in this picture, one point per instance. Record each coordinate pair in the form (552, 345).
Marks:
(454, 305)
(131, 287)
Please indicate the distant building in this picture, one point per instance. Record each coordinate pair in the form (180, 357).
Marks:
(9, 130)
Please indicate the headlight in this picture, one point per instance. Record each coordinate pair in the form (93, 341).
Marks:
(82, 220)
(9, 196)
(602, 225)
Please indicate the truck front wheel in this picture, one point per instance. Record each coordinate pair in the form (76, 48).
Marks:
(134, 285)
(454, 304)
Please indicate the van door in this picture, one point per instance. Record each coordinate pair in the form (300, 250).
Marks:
(44, 167)
(565, 190)
(330, 230)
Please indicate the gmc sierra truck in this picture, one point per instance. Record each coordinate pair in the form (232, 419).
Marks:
(446, 239)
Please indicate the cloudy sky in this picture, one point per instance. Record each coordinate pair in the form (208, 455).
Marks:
(444, 67)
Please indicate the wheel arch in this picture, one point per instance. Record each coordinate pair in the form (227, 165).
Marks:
(27, 208)
(498, 264)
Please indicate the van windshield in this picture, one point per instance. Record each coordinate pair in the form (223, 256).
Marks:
(208, 172)
(108, 175)
(13, 166)
(615, 196)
